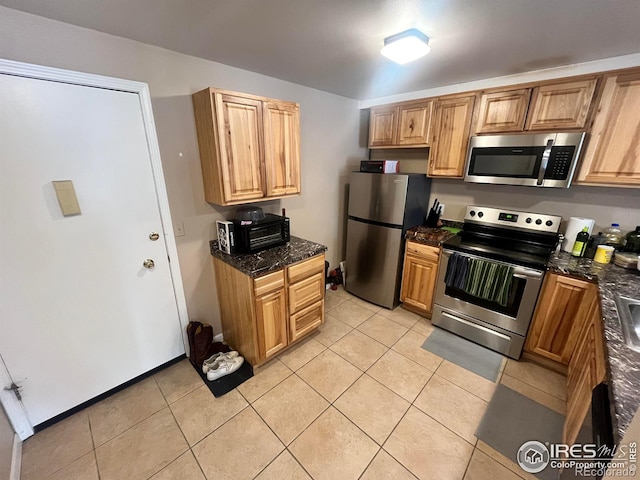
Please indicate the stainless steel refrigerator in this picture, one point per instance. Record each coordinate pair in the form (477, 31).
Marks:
(381, 209)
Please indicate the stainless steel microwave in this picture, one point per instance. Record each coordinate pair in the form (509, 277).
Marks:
(538, 160)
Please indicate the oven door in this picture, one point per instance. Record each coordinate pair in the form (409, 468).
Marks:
(514, 317)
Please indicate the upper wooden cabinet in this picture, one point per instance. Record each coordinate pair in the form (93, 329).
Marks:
(403, 125)
(503, 111)
(452, 127)
(383, 126)
(612, 156)
(556, 106)
(561, 106)
(249, 146)
(282, 148)
(563, 309)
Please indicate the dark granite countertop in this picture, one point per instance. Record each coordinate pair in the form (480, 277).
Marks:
(433, 236)
(261, 263)
(623, 364)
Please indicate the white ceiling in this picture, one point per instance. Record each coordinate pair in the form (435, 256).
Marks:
(333, 45)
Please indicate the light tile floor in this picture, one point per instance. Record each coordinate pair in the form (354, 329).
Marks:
(358, 399)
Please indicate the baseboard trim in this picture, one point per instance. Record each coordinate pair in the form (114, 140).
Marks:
(218, 338)
(88, 403)
(16, 458)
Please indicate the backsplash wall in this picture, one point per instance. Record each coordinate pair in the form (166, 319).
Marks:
(604, 205)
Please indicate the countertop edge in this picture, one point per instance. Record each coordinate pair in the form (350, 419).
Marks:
(261, 263)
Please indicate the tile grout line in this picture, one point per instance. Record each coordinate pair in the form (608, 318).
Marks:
(93, 442)
(188, 447)
(93, 450)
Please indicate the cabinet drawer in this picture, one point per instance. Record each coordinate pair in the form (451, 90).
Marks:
(268, 283)
(305, 269)
(306, 320)
(305, 292)
(424, 251)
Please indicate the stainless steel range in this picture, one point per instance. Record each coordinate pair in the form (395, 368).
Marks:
(490, 276)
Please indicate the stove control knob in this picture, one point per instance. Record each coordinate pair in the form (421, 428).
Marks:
(528, 220)
(549, 223)
(472, 213)
(538, 222)
(480, 214)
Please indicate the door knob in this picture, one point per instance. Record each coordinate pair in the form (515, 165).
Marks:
(154, 236)
(148, 263)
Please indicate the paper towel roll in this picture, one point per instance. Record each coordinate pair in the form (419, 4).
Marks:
(575, 226)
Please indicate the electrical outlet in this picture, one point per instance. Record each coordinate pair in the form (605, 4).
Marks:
(178, 229)
(441, 209)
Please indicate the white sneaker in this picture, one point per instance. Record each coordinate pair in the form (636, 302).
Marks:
(224, 366)
(208, 363)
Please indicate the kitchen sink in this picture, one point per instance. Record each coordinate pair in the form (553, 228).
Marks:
(629, 313)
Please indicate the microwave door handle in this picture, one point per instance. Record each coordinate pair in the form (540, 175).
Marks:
(545, 161)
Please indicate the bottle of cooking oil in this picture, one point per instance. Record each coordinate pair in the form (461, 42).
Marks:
(614, 236)
(581, 243)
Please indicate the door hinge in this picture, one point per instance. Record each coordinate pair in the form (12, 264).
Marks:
(16, 390)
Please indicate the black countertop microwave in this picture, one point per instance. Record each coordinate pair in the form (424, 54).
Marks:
(254, 235)
(538, 160)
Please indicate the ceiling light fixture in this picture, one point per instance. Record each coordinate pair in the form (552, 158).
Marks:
(405, 47)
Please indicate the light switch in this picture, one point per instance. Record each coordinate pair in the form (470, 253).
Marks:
(66, 197)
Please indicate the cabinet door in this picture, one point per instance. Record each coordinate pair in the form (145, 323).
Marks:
(415, 124)
(451, 138)
(586, 370)
(271, 316)
(306, 320)
(562, 313)
(612, 155)
(503, 111)
(383, 126)
(419, 278)
(282, 148)
(561, 106)
(241, 145)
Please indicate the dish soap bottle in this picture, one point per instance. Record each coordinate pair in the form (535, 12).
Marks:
(581, 243)
(614, 236)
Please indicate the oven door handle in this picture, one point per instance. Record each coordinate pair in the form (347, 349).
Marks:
(523, 273)
(476, 326)
(518, 271)
(545, 162)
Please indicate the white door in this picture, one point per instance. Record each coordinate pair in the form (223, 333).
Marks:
(79, 313)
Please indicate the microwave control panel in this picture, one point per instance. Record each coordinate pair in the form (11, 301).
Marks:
(559, 164)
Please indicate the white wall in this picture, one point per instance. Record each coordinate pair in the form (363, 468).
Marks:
(330, 135)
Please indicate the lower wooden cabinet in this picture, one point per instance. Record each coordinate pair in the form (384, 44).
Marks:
(567, 328)
(271, 323)
(587, 368)
(262, 316)
(419, 277)
(563, 309)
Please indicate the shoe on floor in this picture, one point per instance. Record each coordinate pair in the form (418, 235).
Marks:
(209, 362)
(224, 366)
